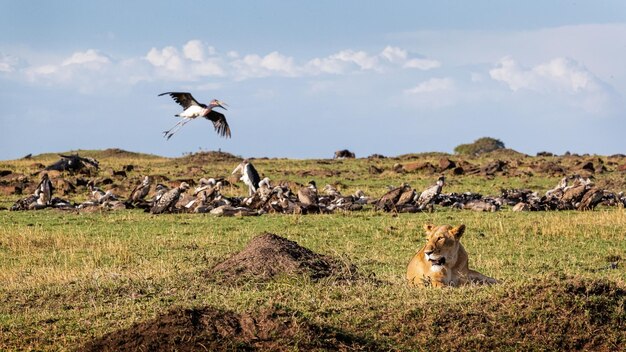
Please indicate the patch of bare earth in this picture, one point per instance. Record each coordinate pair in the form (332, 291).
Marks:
(212, 329)
(202, 158)
(558, 314)
(268, 255)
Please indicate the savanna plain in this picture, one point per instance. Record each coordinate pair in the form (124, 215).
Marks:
(127, 279)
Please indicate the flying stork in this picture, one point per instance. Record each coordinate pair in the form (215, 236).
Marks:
(192, 109)
(249, 175)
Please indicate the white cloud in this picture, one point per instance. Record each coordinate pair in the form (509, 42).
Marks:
(90, 58)
(564, 78)
(360, 58)
(400, 56)
(43, 70)
(432, 85)
(80, 69)
(194, 50)
(167, 58)
(559, 74)
(195, 60)
(422, 64)
(342, 62)
(8, 63)
(394, 54)
(274, 63)
(433, 94)
(207, 68)
(191, 65)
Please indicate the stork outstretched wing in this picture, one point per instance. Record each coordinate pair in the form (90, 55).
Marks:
(220, 123)
(184, 99)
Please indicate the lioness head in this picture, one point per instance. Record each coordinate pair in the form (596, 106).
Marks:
(443, 244)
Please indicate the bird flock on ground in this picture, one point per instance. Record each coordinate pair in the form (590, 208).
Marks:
(571, 193)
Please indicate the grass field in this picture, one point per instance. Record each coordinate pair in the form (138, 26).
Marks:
(69, 278)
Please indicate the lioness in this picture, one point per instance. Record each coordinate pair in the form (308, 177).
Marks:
(443, 260)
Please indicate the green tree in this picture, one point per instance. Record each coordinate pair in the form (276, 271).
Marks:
(480, 146)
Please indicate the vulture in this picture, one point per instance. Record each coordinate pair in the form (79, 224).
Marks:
(168, 200)
(429, 195)
(308, 195)
(388, 201)
(140, 191)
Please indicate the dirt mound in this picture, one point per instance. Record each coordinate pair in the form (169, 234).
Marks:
(210, 156)
(268, 255)
(560, 314)
(212, 329)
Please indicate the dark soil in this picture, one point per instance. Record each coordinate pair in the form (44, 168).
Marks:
(212, 329)
(558, 314)
(267, 256)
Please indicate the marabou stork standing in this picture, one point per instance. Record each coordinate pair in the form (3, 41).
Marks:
(249, 175)
(192, 109)
(44, 190)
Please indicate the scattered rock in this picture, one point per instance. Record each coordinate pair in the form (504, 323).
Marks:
(588, 166)
(344, 153)
(120, 173)
(63, 186)
(420, 166)
(550, 168)
(373, 170)
(376, 156)
(446, 164)
(398, 168)
(319, 173)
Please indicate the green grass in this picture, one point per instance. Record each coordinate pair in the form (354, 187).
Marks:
(68, 278)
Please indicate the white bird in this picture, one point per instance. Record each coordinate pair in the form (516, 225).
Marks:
(249, 175)
(193, 109)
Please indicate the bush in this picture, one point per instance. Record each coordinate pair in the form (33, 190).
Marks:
(480, 146)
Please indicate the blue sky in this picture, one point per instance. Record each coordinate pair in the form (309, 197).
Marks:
(303, 79)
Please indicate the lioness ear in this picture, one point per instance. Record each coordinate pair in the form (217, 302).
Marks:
(429, 227)
(458, 231)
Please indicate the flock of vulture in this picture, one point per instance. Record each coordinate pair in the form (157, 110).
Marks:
(571, 193)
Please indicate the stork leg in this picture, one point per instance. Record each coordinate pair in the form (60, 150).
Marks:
(169, 133)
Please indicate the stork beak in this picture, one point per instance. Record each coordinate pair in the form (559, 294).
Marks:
(221, 104)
